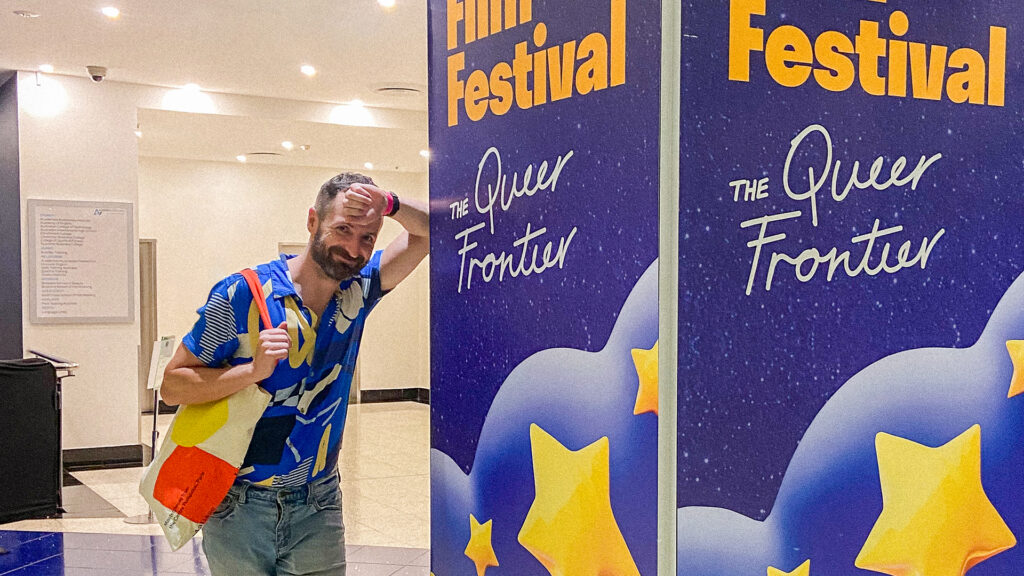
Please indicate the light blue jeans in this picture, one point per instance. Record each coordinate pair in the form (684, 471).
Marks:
(278, 531)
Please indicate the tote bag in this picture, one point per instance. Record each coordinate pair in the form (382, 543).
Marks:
(199, 458)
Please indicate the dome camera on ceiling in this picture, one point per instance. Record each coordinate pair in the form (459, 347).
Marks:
(97, 73)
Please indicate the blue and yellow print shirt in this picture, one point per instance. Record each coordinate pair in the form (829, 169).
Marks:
(299, 435)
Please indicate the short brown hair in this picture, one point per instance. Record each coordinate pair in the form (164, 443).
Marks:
(334, 186)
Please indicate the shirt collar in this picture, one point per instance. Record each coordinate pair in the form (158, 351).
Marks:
(281, 284)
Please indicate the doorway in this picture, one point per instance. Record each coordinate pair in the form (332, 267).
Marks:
(147, 318)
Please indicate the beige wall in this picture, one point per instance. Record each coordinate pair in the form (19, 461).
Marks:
(89, 152)
(213, 218)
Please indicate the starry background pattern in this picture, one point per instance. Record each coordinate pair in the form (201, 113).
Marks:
(755, 370)
(608, 190)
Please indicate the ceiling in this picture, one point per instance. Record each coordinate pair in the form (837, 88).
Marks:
(246, 47)
(216, 137)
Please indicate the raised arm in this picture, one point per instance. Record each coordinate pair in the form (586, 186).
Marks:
(404, 253)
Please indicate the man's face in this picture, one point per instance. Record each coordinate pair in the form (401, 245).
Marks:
(342, 248)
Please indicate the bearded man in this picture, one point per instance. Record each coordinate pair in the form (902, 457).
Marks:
(283, 514)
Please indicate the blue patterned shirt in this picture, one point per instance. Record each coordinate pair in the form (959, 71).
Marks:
(299, 435)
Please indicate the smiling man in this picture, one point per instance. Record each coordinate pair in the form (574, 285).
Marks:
(283, 514)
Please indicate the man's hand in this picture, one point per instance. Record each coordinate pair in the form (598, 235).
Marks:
(363, 204)
(275, 344)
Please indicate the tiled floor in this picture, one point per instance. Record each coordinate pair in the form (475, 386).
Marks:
(385, 485)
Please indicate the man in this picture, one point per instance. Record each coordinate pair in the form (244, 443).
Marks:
(283, 514)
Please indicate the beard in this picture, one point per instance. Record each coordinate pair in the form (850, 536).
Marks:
(328, 260)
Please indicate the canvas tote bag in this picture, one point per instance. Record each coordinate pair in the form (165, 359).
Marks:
(202, 451)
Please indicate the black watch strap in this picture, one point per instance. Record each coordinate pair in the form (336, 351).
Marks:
(396, 204)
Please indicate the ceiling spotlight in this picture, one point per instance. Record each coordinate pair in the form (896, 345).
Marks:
(368, 165)
(241, 158)
(352, 114)
(425, 153)
(304, 147)
(111, 12)
(46, 68)
(26, 14)
(189, 98)
(308, 70)
(386, 3)
(138, 133)
(287, 145)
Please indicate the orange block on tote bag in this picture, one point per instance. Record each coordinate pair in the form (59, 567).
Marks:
(199, 459)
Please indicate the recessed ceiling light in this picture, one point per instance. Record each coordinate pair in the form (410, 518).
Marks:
(240, 158)
(308, 70)
(26, 14)
(287, 145)
(111, 12)
(189, 98)
(304, 147)
(425, 153)
(352, 114)
(386, 3)
(47, 68)
(368, 165)
(138, 133)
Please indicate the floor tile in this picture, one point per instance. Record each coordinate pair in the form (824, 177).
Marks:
(27, 554)
(385, 481)
(193, 564)
(111, 476)
(140, 562)
(363, 535)
(90, 525)
(83, 502)
(109, 542)
(53, 566)
(350, 550)
(370, 570)
(30, 551)
(123, 555)
(413, 571)
(11, 539)
(422, 560)
(386, 555)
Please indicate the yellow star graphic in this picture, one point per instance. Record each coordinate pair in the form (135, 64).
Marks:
(936, 519)
(570, 527)
(1016, 349)
(646, 362)
(801, 570)
(479, 549)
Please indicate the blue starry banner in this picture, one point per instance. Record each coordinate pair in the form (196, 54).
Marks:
(851, 288)
(544, 124)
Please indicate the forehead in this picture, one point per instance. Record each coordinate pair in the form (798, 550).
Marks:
(334, 217)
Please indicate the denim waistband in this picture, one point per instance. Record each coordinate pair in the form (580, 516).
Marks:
(285, 494)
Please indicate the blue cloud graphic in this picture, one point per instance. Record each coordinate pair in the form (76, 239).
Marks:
(830, 497)
(578, 397)
(828, 500)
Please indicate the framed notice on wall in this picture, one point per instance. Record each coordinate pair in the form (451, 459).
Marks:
(81, 262)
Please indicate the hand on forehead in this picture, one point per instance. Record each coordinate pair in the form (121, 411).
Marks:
(361, 204)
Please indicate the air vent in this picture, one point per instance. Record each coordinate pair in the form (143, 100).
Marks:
(262, 153)
(398, 89)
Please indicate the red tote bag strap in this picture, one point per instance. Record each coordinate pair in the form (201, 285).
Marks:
(257, 293)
